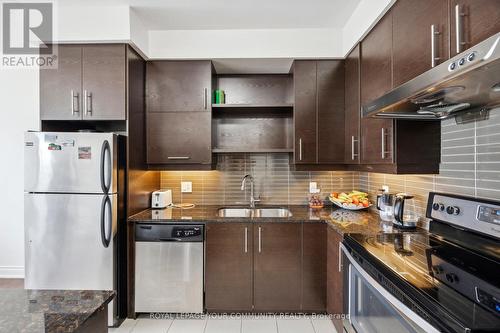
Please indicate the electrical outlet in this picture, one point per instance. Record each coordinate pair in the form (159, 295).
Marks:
(186, 187)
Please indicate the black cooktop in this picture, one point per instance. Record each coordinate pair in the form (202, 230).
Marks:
(457, 286)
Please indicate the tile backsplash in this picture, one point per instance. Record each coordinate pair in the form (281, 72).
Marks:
(275, 182)
(470, 165)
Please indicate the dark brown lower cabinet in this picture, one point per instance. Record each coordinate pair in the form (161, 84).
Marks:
(314, 246)
(228, 272)
(277, 266)
(266, 267)
(334, 278)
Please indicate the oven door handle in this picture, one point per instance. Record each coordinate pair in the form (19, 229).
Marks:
(397, 304)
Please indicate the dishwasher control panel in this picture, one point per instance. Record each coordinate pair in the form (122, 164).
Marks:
(183, 232)
(171, 232)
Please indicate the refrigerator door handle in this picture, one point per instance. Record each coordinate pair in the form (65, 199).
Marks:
(106, 219)
(105, 166)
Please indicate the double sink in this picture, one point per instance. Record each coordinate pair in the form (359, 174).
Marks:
(274, 212)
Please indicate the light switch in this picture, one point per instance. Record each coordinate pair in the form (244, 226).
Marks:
(313, 188)
(186, 187)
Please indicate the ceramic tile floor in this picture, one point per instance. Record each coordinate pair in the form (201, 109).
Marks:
(216, 324)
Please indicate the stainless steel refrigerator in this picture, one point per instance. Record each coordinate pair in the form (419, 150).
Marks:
(70, 212)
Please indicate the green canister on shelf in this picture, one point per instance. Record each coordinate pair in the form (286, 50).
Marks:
(219, 97)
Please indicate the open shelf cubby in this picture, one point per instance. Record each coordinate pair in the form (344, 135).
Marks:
(257, 116)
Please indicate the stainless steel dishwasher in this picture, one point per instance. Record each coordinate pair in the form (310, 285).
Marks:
(169, 268)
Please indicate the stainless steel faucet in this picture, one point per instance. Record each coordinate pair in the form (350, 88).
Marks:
(253, 200)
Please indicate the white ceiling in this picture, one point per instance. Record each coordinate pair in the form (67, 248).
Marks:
(236, 14)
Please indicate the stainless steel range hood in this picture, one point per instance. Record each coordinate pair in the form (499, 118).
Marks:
(468, 82)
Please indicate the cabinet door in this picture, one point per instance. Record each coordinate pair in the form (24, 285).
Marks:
(376, 61)
(314, 244)
(277, 266)
(173, 86)
(376, 80)
(478, 20)
(352, 107)
(330, 105)
(334, 275)
(412, 24)
(305, 112)
(377, 141)
(228, 272)
(179, 138)
(60, 89)
(104, 82)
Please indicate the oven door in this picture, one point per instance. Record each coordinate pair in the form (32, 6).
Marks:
(373, 309)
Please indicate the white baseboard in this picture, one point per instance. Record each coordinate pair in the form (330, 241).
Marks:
(12, 272)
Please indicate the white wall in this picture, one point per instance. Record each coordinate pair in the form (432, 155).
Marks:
(269, 43)
(91, 23)
(364, 17)
(19, 100)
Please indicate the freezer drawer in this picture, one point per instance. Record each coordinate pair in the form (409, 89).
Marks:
(70, 242)
(70, 162)
(169, 277)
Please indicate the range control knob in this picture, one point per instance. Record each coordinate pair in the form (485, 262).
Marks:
(461, 62)
(453, 210)
(471, 56)
(437, 206)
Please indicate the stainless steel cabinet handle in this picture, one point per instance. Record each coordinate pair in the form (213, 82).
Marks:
(434, 57)
(353, 148)
(178, 157)
(458, 28)
(206, 102)
(88, 102)
(383, 143)
(260, 240)
(300, 149)
(73, 97)
(246, 239)
(340, 257)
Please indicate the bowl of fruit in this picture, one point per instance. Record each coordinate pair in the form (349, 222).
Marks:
(315, 202)
(355, 200)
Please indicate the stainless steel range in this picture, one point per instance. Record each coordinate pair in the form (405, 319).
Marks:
(444, 280)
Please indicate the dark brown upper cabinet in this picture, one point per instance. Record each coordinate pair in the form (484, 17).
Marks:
(305, 112)
(277, 266)
(386, 145)
(104, 84)
(176, 86)
(229, 267)
(89, 84)
(376, 80)
(420, 37)
(352, 107)
(179, 138)
(330, 109)
(179, 117)
(477, 20)
(318, 111)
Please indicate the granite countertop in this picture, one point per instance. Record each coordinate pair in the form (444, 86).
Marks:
(343, 221)
(37, 311)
